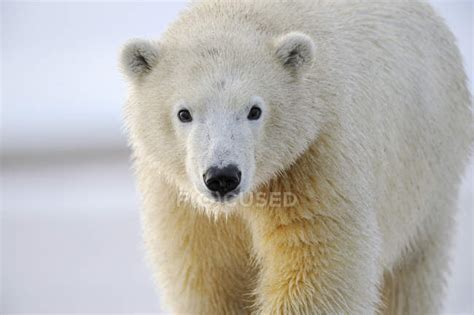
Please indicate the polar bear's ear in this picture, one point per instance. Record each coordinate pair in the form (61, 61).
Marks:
(295, 50)
(137, 58)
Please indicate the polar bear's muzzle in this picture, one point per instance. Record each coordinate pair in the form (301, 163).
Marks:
(223, 182)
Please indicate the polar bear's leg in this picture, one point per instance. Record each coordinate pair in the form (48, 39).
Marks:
(200, 264)
(310, 266)
(319, 256)
(416, 286)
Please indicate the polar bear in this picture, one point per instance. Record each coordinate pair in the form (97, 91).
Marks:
(359, 111)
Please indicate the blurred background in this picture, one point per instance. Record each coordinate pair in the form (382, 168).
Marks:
(70, 233)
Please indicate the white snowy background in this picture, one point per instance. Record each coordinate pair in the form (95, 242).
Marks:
(70, 238)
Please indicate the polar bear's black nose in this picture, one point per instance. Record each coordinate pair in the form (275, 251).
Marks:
(222, 180)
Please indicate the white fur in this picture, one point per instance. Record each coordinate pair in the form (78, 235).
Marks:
(369, 124)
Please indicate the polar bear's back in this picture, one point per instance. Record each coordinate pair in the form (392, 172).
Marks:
(406, 103)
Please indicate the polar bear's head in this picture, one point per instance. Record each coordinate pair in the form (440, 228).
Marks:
(220, 117)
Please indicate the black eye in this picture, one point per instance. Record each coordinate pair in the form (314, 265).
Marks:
(254, 113)
(185, 116)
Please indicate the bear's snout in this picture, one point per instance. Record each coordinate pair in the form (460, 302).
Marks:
(222, 181)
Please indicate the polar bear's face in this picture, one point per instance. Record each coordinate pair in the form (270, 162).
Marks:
(221, 119)
(221, 134)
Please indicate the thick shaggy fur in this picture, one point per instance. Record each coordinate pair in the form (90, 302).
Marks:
(366, 120)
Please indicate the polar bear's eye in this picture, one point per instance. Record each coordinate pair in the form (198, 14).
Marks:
(254, 113)
(184, 115)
